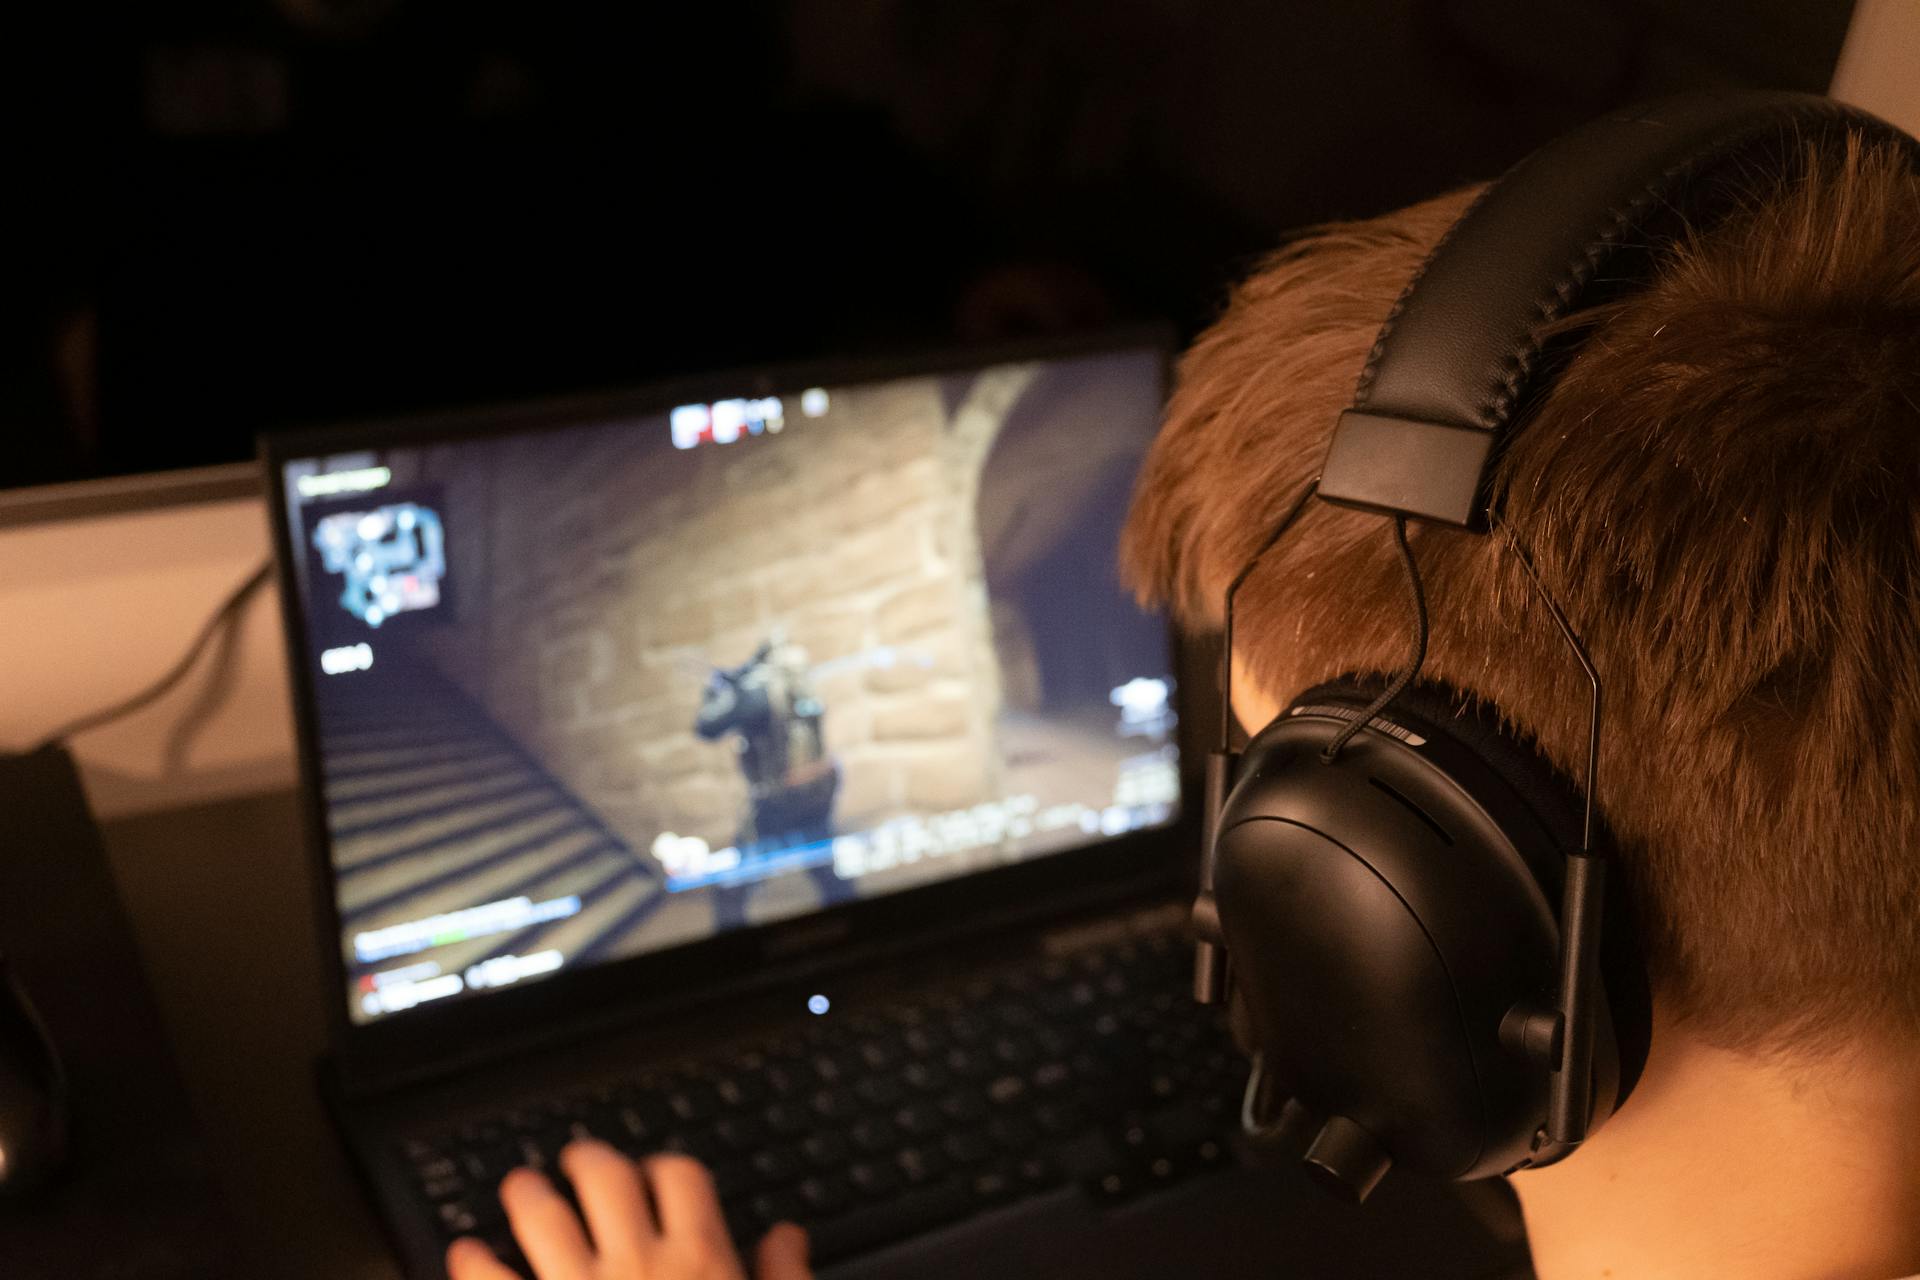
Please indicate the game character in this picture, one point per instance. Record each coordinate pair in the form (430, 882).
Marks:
(768, 706)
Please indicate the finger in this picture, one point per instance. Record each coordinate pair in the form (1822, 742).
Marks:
(470, 1259)
(613, 1196)
(546, 1227)
(782, 1255)
(689, 1209)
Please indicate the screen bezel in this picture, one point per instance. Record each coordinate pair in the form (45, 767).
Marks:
(370, 1053)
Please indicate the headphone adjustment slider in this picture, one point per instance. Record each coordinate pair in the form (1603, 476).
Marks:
(1209, 955)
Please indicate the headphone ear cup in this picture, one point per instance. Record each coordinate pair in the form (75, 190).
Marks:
(1386, 911)
(1624, 1021)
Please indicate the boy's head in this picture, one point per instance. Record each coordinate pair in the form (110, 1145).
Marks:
(1722, 489)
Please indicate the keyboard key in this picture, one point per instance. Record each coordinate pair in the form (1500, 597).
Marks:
(473, 1133)
(1013, 1050)
(739, 1091)
(1037, 1173)
(927, 1077)
(698, 1143)
(439, 1189)
(828, 1150)
(824, 1195)
(966, 1027)
(786, 1119)
(967, 1063)
(922, 1164)
(832, 1104)
(993, 1186)
(1016, 1016)
(1006, 1089)
(777, 1165)
(520, 1119)
(880, 1091)
(1051, 1075)
(457, 1218)
(692, 1102)
(966, 1147)
(435, 1168)
(778, 1206)
(1060, 1117)
(919, 1120)
(874, 1179)
(643, 1118)
(787, 1076)
(874, 1133)
(740, 1132)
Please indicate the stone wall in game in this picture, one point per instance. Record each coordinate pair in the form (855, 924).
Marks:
(850, 538)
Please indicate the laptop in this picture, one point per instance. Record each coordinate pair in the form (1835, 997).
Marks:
(773, 767)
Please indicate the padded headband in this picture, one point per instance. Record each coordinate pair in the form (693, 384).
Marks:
(1461, 355)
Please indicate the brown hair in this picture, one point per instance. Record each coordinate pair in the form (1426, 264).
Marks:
(1723, 491)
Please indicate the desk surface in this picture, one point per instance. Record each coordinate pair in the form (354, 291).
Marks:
(220, 905)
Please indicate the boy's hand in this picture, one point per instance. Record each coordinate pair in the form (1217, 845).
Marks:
(676, 1234)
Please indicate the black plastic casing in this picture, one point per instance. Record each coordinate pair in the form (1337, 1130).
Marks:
(1385, 911)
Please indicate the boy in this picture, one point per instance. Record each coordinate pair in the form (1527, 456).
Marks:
(1723, 491)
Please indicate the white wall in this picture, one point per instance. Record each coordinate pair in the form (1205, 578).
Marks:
(93, 609)
(1879, 67)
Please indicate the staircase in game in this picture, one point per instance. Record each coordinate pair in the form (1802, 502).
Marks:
(435, 808)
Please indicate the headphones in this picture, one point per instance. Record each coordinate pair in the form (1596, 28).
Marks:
(1411, 895)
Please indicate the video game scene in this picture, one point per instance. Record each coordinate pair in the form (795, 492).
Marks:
(604, 688)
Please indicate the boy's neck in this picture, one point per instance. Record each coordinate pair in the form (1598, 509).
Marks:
(1721, 1165)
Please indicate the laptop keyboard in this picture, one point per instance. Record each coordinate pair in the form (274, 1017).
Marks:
(1095, 1071)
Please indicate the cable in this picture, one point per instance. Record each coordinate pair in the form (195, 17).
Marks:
(1233, 589)
(229, 609)
(1406, 677)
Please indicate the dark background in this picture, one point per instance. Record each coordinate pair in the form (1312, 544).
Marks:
(245, 214)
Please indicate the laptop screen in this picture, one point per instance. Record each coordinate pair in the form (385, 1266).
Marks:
(599, 686)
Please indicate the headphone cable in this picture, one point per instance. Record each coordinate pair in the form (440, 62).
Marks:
(1419, 598)
(1233, 589)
